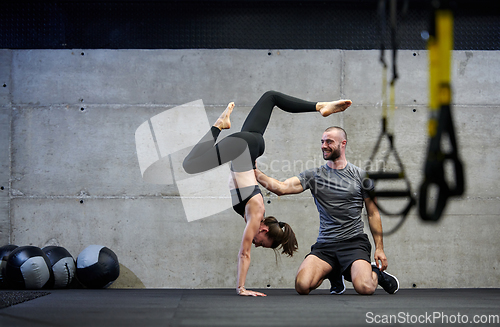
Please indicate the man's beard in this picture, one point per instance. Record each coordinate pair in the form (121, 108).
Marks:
(334, 155)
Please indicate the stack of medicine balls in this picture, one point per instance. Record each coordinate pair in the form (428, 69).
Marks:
(52, 267)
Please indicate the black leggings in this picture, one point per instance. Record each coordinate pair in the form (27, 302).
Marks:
(207, 155)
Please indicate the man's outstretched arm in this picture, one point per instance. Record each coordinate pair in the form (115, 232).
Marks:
(289, 186)
(376, 228)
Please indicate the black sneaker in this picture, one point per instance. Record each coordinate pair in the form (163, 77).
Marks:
(389, 283)
(338, 285)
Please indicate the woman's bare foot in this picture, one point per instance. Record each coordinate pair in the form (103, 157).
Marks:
(328, 108)
(223, 121)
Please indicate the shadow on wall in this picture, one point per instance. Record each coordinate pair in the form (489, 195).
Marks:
(127, 279)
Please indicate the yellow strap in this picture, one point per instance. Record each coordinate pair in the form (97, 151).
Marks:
(390, 123)
(444, 31)
(440, 47)
(432, 47)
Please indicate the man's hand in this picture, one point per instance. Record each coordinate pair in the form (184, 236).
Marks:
(380, 259)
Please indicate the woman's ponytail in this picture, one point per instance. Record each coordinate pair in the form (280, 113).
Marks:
(282, 235)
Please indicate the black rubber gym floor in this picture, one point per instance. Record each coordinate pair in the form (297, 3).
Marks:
(222, 307)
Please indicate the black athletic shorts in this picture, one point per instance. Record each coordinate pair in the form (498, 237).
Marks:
(341, 255)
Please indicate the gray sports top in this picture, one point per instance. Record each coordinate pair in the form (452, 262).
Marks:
(339, 196)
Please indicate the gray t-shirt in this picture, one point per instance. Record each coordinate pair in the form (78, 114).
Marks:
(339, 196)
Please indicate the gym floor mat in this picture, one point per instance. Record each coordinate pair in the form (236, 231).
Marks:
(9, 298)
(282, 307)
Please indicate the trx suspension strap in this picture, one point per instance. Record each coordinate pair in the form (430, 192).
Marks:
(440, 46)
(387, 132)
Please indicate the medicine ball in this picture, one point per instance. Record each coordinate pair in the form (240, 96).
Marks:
(62, 265)
(4, 254)
(28, 268)
(97, 267)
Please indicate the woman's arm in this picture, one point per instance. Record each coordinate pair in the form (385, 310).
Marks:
(254, 213)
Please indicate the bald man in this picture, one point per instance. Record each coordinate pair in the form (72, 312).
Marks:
(342, 249)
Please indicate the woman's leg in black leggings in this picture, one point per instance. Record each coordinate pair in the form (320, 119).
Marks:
(258, 118)
(207, 155)
(203, 152)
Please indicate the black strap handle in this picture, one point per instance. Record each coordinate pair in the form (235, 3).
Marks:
(382, 175)
(435, 171)
(373, 177)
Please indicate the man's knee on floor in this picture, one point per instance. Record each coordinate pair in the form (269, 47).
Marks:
(302, 287)
(364, 287)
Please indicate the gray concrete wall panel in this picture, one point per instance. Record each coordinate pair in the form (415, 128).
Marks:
(474, 79)
(363, 77)
(64, 150)
(171, 76)
(5, 80)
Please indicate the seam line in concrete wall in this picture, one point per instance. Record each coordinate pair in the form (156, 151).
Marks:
(154, 138)
(11, 128)
(54, 197)
(342, 79)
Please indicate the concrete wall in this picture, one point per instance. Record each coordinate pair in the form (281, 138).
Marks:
(70, 173)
